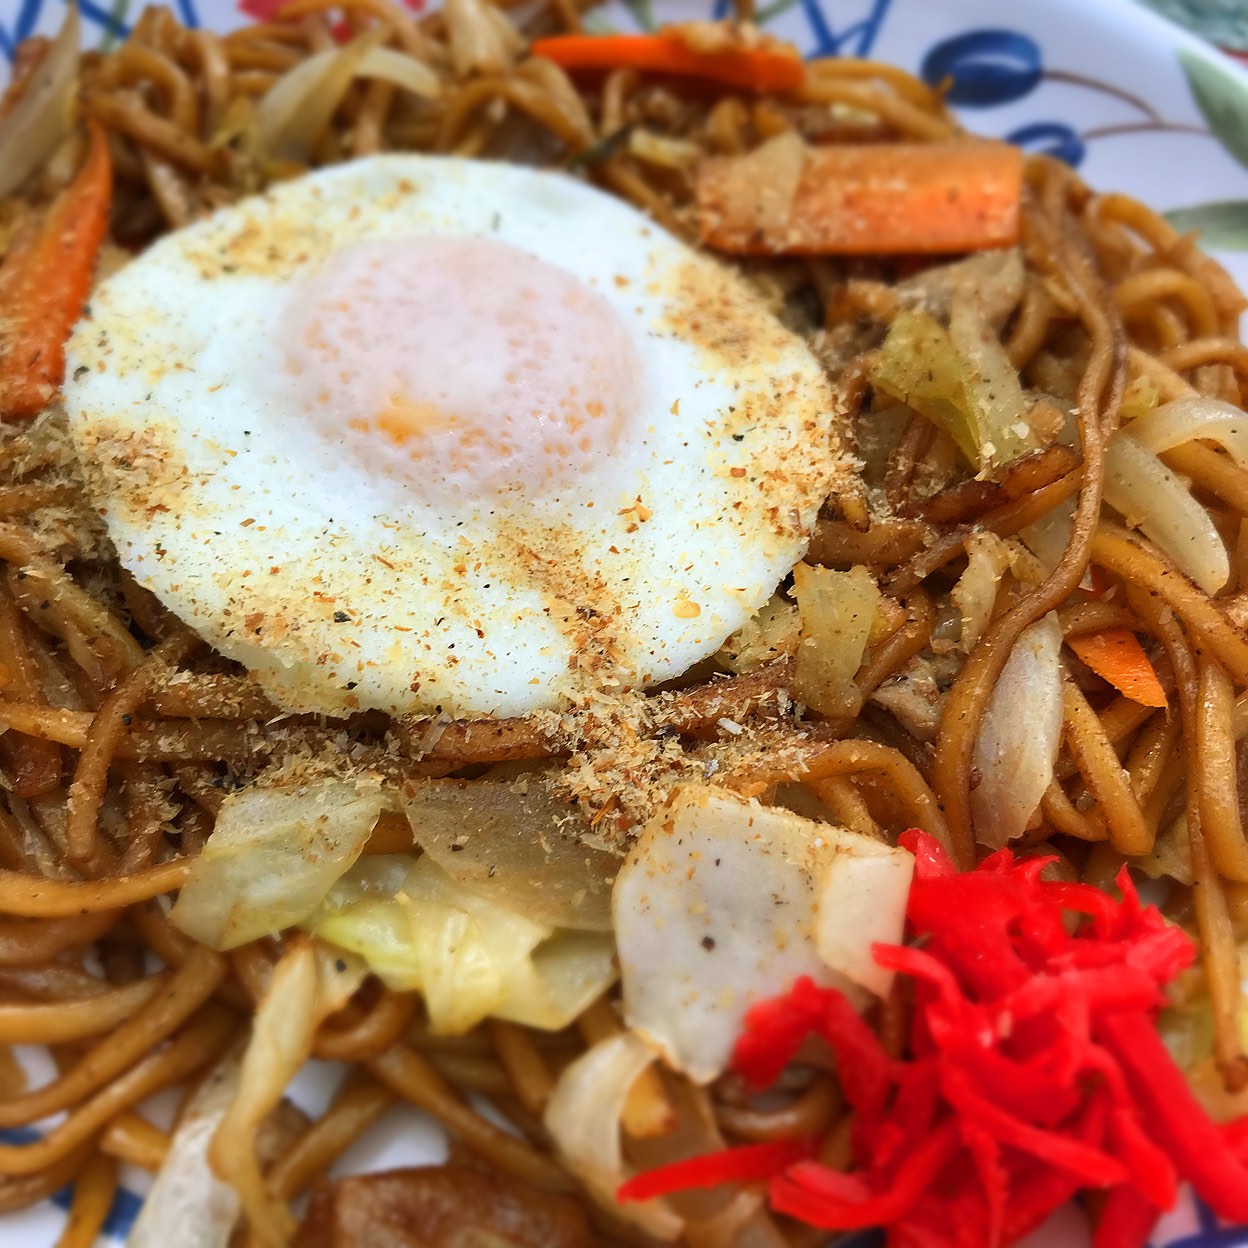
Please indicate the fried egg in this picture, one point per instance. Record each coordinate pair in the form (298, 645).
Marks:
(419, 433)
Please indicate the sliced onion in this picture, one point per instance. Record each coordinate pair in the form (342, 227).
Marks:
(401, 69)
(273, 857)
(296, 110)
(993, 279)
(583, 1118)
(187, 1204)
(515, 842)
(1048, 538)
(44, 114)
(281, 1041)
(1019, 736)
(558, 91)
(659, 149)
(837, 610)
(772, 632)
(482, 39)
(730, 1214)
(1153, 499)
(975, 594)
(1181, 420)
(992, 385)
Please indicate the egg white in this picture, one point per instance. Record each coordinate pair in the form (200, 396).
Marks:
(340, 589)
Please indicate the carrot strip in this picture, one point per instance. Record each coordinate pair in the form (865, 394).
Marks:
(44, 282)
(762, 70)
(1115, 655)
(928, 198)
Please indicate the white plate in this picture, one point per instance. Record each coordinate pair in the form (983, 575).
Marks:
(1138, 104)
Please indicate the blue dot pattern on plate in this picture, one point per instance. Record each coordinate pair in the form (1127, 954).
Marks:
(1053, 138)
(126, 1204)
(984, 67)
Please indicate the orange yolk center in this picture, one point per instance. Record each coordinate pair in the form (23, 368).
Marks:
(467, 368)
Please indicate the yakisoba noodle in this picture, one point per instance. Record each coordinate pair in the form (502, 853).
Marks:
(116, 770)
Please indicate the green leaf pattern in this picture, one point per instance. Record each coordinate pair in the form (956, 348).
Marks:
(1221, 94)
(1223, 224)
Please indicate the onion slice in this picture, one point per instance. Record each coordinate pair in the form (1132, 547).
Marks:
(837, 611)
(44, 113)
(583, 1118)
(1182, 420)
(294, 113)
(1019, 736)
(1049, 536)
(309, 983)
(975, 594)
(483, 39)
(281, 1041)
(1154, 500)
(187, 1204)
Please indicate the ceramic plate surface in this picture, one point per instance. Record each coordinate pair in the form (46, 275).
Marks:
(1135, 103)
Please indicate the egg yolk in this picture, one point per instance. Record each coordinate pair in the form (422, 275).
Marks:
(462, 367)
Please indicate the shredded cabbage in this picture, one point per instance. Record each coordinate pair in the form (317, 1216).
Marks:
(470, 957)
(723, 902)
(273, 857)
(1187, 1027)
(1019, 736)
(1156, 501)
(517, 844)
(961, 380)
(1172, 855)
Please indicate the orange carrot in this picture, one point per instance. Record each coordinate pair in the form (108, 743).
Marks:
(764, 69)
(929, 198)
(44, 282)
(1115, 654)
